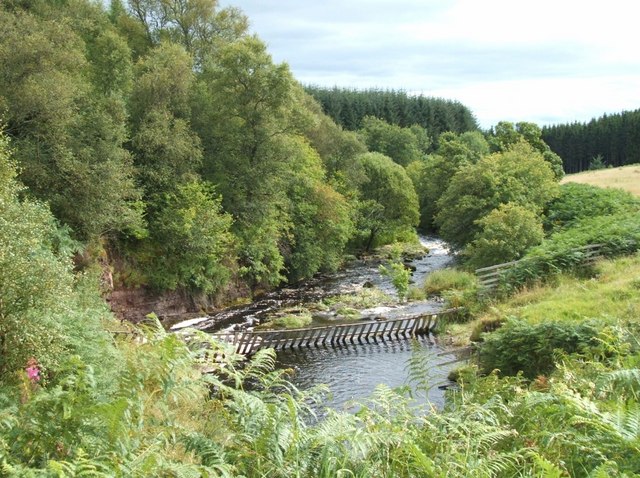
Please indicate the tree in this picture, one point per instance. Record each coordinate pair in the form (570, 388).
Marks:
(505, 136)
(388, 207)
(191, 242)
(320, 217)
(402, 145)
(505, 234)
(197, 25)
(247, 109)
(520, 176)
(432, 177)
(68, 133)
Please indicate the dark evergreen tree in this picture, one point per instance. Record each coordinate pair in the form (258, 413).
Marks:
(615, 138)
(349, 107)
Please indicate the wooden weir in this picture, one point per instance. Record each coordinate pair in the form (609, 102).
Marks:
(248, 342)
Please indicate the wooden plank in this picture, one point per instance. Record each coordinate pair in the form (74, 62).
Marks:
(376, 332)
(342, 333)
(389, 330)
(332, 335)
(322, 335)
(312, 334)
(248, 342)
(497, 266)
(491, 275)
(298, 336)
(372, 325)
(407, 328)
(351, 334)
(241, 343)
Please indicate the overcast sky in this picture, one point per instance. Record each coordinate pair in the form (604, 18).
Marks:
(546, 61)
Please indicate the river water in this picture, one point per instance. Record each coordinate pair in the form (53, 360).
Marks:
(352, 371)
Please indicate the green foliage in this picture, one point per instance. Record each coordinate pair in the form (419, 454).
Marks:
(68, 133)
(519, 175)
(291, 321)
(619, 234)
(596, 163)
(348, 108)
(446, 279)
(459, 289)
(507, 232)
(399, 276)
(612, 137)
(432, 177)
(190, 242)
(532, 349)
(388, 206)
(365, 298)
(506, 135)
(321, 218)
(41, 303)
(402, 145)
(583, 201)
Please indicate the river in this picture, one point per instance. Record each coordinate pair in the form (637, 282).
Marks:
(353, 371)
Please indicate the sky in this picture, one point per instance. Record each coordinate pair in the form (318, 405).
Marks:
(548, 61)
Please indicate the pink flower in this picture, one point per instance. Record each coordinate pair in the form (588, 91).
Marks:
(33, 373)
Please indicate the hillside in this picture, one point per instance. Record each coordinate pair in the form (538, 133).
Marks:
(625, 177)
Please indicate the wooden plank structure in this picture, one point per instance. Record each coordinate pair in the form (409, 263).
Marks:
(490, 277)
(249, 342)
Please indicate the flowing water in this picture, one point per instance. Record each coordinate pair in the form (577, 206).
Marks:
(352, 371)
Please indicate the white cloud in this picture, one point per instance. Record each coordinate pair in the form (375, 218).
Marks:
(544, 61)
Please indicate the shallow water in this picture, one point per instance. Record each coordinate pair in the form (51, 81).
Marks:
(352, 371)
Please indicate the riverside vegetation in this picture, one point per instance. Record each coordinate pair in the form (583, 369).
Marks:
(160, 140)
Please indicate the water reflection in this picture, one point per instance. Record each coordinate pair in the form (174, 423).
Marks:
(353, 371)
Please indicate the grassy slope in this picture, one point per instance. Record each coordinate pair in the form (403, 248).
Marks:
(614, 294)
(625, 177)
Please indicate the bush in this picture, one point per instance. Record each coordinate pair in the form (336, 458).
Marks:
(192, 242)
(399, 276)
(447, 279)
(581, 201)
(290, 322)
(506, 233)
(45, 311)
(519, 346)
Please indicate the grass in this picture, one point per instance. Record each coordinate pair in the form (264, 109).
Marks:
(612, 296)
(294, 320)
(363, 299)
(624, 177)
(447, 279)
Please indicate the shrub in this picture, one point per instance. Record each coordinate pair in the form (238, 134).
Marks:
(290, 321)
(506, 233)
(519, 346)
(579, 201)
(191, 241)
(619, 234)
(447, 279)
(45, 311)
(399, 276)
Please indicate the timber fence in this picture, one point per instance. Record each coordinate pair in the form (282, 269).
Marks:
(491, 277)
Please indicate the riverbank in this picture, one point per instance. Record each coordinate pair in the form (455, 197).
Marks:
(610, 296)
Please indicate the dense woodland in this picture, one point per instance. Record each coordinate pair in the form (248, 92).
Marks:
(157, 141)
(611, 140)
